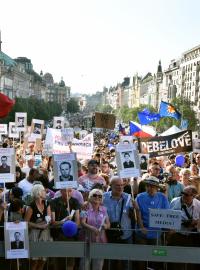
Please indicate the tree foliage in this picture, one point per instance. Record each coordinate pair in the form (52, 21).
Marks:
(36, 109)
(104, 108)
(72, 106)
(183, 105)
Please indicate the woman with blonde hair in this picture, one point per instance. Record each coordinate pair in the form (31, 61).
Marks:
(95, 220)
(38, 216)
(185, 177)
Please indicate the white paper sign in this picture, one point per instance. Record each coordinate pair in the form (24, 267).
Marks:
(37, 127)
(3, 129)
(16, 240)
(13, 133)
(58, 122)
(21, 121)
(165, 218)
(65, 170)
(127, 160)
(7, 165)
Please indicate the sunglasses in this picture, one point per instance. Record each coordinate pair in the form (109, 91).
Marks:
(97, 196)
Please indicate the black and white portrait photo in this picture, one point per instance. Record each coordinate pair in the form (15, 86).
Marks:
(144, 162)
(20, 121)
(37, 128)
(58, 124)
(65, 169)
(18, 241)
(127, 161)
(4, 167)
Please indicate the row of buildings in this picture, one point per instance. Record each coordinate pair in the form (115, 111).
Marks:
(181, 78)
(18, 79)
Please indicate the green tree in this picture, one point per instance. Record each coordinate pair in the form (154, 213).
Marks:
(126, 114)
(185, 107)
(104, 108)
(72, 106)
(35, 108)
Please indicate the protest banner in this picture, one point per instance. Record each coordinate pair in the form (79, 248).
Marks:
(16, 240)
(21, 121)
(56, 144)
(105, 120)
(7, 166)
(166, 145)
(127, 160)
(65, 170)
(165, 218)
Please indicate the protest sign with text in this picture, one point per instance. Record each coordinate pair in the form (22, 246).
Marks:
(166, 145)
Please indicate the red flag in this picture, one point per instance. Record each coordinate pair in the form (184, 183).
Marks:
(6, 105)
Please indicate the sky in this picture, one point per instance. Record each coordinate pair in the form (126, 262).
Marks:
(96, 43)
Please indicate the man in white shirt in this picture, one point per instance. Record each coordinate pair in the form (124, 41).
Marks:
(27, 183)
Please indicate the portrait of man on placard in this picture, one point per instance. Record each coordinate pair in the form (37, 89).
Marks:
(65, 169)
(13, 129)
(20, 121)
(58, 124)
(143, 162)
(37, 128)
(18, 243)
(127, 163)
(4, 167)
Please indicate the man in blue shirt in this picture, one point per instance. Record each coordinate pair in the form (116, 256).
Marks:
(117, 202)
(151, 199)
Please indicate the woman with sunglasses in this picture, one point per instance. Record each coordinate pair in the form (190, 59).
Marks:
(95, 220)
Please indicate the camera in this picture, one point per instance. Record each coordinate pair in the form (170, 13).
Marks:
(187, 223)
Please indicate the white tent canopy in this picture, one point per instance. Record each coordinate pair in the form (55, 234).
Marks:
(172, 130)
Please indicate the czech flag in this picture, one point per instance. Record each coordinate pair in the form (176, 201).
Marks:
(141, 131)
(6, 105)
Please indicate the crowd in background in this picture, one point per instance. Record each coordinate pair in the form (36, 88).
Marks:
(103, 201)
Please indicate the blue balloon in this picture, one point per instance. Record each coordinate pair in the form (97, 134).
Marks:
(180, 160)
(69, 228)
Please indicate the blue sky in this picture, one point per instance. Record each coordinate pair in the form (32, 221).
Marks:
(95, 43)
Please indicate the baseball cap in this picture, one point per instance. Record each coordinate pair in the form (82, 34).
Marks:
(152, 180)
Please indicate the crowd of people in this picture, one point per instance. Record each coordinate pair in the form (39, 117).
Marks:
(105, 207)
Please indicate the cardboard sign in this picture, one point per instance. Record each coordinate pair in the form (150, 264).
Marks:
(166, 145)
(196, 145)
(105, 120)
(165, 218)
